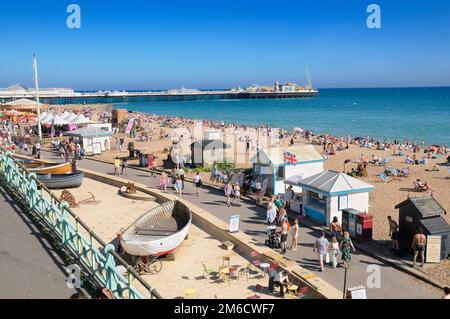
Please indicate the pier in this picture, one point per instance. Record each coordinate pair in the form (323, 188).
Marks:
(126, 97)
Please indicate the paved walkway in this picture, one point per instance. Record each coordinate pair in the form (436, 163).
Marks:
(394, 283)
(29, 268)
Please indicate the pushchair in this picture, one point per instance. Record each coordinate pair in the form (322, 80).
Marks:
(274, 238)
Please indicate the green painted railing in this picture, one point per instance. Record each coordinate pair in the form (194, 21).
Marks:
(95, 257)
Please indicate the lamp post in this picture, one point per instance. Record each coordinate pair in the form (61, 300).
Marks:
(344, 295)
(37, 98)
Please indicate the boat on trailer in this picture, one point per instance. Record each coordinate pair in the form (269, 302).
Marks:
(61, 181)
(158, 232)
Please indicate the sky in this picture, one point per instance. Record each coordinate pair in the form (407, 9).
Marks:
(147, 44)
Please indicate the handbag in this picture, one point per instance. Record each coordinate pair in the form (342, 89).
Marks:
(327, 258)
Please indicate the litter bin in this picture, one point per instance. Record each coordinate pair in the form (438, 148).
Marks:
(349, 221)
(142, 159)
(364, 227)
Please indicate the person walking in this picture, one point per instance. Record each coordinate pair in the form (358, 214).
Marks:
(271, 213)
(284, 234)
(117, 165)
(178, 187)
(418, 244)
(198, 183)
(277, 201)
(393, 233)
(236, 194)
(321, 246)
(124, 166)
(336, 229)
(294, 233)
(228, 189)
(163, 182)
(182, 174)
(281, 216)
(334, 252)
(346, 247)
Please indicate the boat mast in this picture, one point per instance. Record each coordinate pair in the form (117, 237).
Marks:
(37, 98)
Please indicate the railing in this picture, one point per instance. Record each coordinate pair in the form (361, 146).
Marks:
(93, 255)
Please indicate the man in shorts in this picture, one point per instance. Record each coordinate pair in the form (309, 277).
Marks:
(322, 246)
(419, 242)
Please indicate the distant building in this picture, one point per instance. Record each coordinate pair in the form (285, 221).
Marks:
(288, 87)
(252, 88)
(20, 91)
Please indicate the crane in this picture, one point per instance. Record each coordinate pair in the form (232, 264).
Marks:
(308, 75)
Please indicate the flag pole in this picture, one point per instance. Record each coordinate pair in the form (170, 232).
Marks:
(37, 98)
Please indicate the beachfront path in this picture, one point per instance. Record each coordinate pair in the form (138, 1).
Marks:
(394, 283)
(29, 268)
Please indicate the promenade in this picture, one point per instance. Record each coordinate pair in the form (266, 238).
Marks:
(29, 267)
(253, 224)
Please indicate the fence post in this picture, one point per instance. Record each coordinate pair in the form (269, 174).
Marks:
(110, 266)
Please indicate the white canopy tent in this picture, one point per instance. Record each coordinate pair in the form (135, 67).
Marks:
(58, 120)
(70, 117)
(48, 119)
(43, 115)
(65, 114)
(81, 119)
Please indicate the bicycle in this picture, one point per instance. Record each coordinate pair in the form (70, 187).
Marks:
(149, 264)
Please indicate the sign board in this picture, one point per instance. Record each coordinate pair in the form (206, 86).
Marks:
(343, 202)
(97, 148)
(234, 224)
(433, 251)
(357, 293)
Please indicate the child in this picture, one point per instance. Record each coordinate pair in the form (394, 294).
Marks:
(116, 166)
(334, 251)
(295, 234)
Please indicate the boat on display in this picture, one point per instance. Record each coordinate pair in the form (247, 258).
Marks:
(158, 232)
(64, 168)
(61, 181)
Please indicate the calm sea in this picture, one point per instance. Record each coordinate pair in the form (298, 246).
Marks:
(420, 114)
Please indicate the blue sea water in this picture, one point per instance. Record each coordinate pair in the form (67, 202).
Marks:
(414, 114)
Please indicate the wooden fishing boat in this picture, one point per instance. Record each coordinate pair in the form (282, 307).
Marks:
(159, 231)
(64, 168)
(61, 181)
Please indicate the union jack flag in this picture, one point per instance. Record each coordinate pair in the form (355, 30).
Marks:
(290, 158)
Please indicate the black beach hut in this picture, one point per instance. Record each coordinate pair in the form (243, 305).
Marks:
(425, 213)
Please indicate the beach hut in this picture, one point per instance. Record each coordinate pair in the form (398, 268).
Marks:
(93, 139)
(426, 213)
(279, 164)
(327, 194)
(206, 152)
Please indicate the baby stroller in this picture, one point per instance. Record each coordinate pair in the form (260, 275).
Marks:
(274, 238)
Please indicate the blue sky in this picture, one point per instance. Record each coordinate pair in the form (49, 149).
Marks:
(214, 44)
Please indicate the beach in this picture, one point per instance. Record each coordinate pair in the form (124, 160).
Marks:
(163, 132)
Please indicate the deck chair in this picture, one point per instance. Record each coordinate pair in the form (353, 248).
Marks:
(207, 272)
(405, 172)
(384, 178)
(395, 174)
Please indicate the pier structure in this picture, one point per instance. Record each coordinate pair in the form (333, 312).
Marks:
(127, 96)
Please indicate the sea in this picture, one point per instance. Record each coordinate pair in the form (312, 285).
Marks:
(413, 114)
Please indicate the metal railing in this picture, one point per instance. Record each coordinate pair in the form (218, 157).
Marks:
(91, 253)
